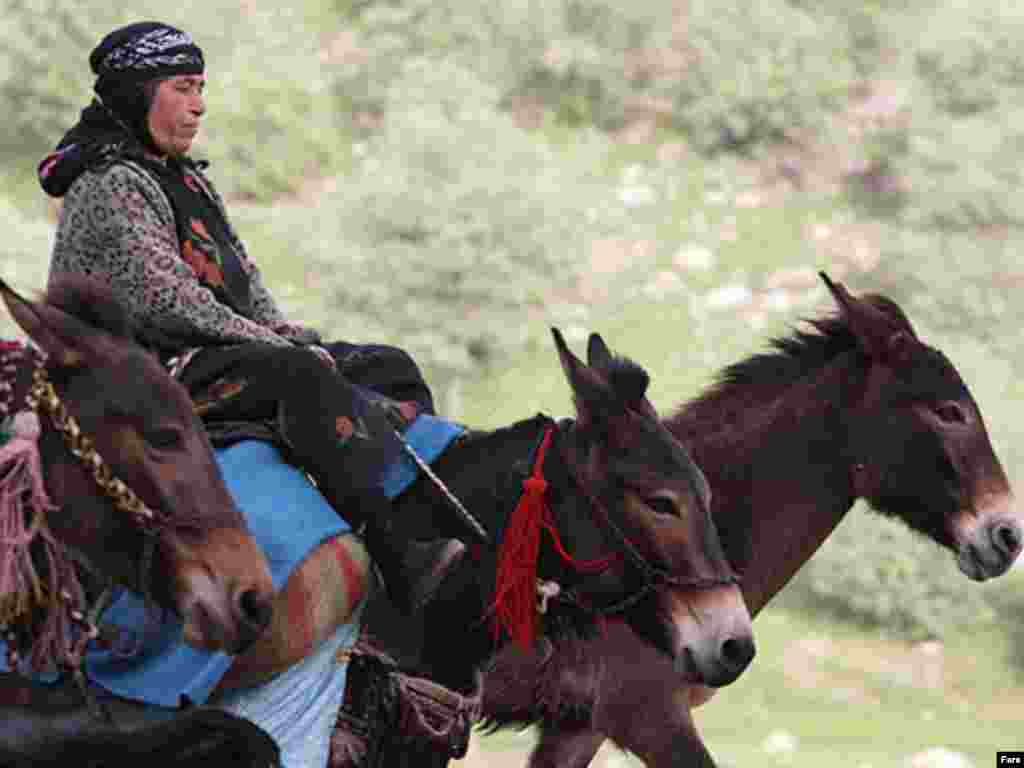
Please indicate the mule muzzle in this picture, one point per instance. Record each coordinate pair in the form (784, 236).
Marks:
(990, 548)
(223, 589)
(713, 637)
(716, 666)
(228, 620)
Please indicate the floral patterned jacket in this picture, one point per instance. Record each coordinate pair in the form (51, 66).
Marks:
(117, 224)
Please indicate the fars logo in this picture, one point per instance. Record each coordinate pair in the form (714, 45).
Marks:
(1009, 758)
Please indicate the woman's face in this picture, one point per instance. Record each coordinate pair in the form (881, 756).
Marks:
(174, 114)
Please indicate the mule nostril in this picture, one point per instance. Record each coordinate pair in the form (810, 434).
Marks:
(1007, 539)
(255, 609)
(737, 652)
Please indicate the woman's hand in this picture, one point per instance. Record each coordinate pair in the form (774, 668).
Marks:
(325, 357)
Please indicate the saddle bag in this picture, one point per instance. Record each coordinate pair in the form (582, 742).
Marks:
(394, 719)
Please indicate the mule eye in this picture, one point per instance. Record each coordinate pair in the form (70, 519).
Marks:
(950, 412)
(662, 505)
(165, 439)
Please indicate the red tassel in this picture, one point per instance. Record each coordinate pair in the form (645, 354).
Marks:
(515, 593)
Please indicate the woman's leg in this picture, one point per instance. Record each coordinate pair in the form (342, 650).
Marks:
(387, 370)
(342, 439)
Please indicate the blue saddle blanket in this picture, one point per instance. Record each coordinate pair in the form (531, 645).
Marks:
(428, 436)
(289, 519)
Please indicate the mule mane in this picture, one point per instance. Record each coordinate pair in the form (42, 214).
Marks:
(764, 376)
(628, 379)
(92, 302)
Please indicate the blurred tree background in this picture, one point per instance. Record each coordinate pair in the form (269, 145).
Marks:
(455, 176)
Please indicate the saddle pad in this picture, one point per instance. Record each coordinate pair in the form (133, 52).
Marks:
(428, 436)
(289, 519)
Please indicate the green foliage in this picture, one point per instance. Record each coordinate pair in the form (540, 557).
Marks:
(42, 92)
(968, 55)
(267, 124)
(24, 256)
(273, 118)
(455, 224)
(875, 572)
(1008, 603)
(757, 71)
(564, 54)
(955, 150)
(728, 74)
(981, 304)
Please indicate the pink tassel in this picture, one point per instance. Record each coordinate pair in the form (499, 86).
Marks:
(21, 483)
(56, 640)
(23, 497)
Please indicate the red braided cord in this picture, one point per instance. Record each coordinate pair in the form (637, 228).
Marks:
(515, 593)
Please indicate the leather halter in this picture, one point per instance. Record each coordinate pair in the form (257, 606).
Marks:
(43, 400)
(654, 576)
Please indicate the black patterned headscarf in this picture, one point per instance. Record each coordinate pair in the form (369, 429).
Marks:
(123, 62)
(115, 124)
(146, 50)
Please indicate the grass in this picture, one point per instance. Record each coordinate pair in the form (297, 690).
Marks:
(650, 205)
(863, 703)
(831, 694)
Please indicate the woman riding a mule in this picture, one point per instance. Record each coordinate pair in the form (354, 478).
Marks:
(141, 215)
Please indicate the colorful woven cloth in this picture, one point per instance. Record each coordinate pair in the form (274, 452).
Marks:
(269, 492)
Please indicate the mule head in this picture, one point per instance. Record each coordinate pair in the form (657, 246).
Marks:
(205, 566)
(657, 498)
(920, 448)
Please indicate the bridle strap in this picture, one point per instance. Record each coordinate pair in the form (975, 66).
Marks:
(653, 576)
(90, 631)
(516, 575)
(42, 398)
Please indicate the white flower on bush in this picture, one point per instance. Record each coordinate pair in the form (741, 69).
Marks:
(694, 257)
(728, 296)
(938, 757)
(780, 743)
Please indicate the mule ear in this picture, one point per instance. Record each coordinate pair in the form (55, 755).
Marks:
(598, 354)
(900, 346)
(55, 332)
(591, 392)
(879, 334)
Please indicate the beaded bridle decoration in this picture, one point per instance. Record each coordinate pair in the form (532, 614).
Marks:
(65, 603)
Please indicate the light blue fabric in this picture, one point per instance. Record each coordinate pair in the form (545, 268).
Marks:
(428, 436)
(288, 517)
(299, 707)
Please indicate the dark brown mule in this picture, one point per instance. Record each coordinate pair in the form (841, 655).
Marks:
(202, 562)
(618, 513)
(617, 483)
(858, 407)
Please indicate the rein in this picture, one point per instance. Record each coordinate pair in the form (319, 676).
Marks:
(654, 576)
(43, 400)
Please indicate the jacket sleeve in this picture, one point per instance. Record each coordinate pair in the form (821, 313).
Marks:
(125, 228)
(264, 307)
